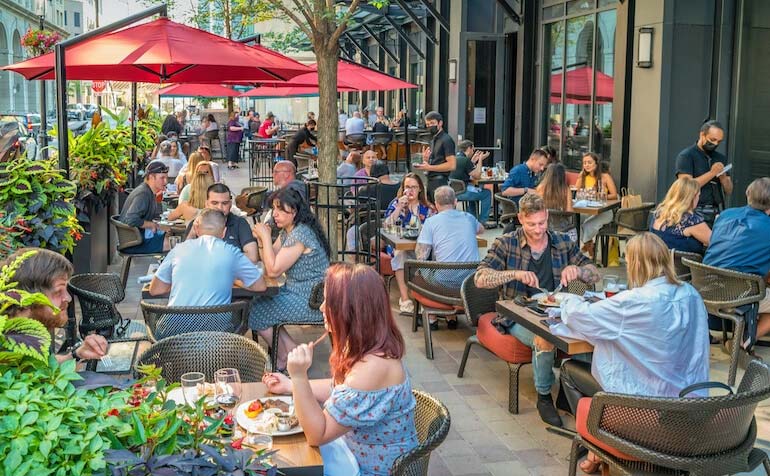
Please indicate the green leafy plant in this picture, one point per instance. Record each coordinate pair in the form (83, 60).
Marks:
(36, 206)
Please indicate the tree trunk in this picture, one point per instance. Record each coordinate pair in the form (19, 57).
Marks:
(328, 131)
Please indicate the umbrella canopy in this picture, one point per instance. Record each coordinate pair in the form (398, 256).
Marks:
(579, 82)
(278, 91)
(165, 51)
(189, 90)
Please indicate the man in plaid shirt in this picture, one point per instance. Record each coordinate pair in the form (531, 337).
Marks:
(529, 258)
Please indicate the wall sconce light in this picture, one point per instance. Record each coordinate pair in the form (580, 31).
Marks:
(452, 72)
(644, 55)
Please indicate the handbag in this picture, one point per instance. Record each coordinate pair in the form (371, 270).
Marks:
(628, 199)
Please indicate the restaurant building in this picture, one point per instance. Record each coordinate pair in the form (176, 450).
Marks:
(631, 80)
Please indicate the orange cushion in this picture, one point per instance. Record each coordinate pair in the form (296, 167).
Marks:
(427, 302)
(581, 424)
(572, 177)
(504, 346)
(385, 268)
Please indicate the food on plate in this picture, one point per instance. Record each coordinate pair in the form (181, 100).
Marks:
(266, 422)
(287, 421)
(276, 403)
(550, 298)
(207, 389)
(254, 409)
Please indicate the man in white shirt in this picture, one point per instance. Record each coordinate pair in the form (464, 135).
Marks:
(354, 125)
(450, 235)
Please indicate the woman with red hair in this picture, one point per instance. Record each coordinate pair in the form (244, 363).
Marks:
(368, 401)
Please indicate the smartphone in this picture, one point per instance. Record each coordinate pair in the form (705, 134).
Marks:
(593, 299)
(538, 311)
(550, 322)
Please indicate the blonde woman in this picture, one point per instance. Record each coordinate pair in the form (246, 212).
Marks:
(193, 197)
(651, 340)
(186, 174)
(594, 177)
(676, 222)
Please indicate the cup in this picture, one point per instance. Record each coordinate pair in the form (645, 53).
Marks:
(258, 441)
(190, 382)
(610, 285)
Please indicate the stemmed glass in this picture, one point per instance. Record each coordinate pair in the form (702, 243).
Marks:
(227, 389)
(190, 386)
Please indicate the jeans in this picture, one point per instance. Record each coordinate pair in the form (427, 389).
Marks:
(542, 361)
(483, 196)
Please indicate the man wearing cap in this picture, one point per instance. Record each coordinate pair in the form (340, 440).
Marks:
(141, 208)
(267, 129)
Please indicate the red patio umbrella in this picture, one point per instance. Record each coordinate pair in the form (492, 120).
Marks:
(189, 90)
(579, 81)
(164, 51)
(277, 91)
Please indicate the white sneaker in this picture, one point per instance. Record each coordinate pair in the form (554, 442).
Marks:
(405, 307)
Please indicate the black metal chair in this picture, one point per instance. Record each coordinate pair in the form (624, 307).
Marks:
(382, 140)
(315, 301)
(682, 270)
(625, 220)
(432, 422)
(251, 200)
(355, 141)
(724, 291)
(98, 295)
(435, 288)
(694, 436)
(206, 352)
(129, 236)
(164, 321)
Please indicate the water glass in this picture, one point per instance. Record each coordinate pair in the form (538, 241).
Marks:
(227, 388)
(258, 441)
(610, 285)
(190, 382)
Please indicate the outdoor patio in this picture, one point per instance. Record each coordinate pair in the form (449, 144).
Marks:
(484, 438)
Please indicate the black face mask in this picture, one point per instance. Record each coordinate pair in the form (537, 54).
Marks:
(433, 130)
(709, 146)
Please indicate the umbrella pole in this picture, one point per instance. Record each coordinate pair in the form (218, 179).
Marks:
(42, 135)
(133, 131)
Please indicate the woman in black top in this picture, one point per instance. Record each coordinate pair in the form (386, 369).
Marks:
(303, 136)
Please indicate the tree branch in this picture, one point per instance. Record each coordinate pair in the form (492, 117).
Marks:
(335, 38)
(306, 28)
(305, 10)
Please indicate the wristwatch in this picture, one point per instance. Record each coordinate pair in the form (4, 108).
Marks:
(73, 351)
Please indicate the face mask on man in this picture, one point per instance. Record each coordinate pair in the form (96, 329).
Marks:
(709, 146)
(433, 130)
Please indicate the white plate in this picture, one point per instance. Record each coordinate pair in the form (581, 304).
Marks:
(558, 296)
(178, 396)
(248, 423)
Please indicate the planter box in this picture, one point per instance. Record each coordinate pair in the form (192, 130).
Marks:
(92, 251)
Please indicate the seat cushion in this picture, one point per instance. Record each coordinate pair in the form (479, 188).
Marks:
(385, 268)
(581, 424)
(430, 303)
(505, 346)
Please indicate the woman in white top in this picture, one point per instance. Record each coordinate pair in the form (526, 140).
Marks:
(651, 340)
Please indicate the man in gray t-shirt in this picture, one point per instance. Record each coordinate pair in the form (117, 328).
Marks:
(201, 271)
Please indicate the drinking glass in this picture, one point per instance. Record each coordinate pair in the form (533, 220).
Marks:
(258, 441)
(190, 382)
(227, 389)
(500, 169)
(610, 284)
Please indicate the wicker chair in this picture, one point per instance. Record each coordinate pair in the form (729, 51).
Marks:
(562, 221)
(435, 287)
(696, 436)
(98, 295)
(723, 291)
(315, 301)
(255, 196)
(635, 219)
(510, 210)
(432, 421)
(206, 352)
(164, 321)
(129, 236)
(682, 270)
(366, 232)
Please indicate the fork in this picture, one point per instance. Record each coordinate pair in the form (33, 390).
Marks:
(106, 361)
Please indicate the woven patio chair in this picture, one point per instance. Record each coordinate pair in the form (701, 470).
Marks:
(634, 219)
(98, 295)
(164, 321)
(315, 301)
(707, 436)
(432, 421)
(435, 288)
(562, 221)
(723, 291)
(206, 352)
(509, 209)
(129, 236)
(682, 270)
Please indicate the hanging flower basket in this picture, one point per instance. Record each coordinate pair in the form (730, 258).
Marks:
(38, 42)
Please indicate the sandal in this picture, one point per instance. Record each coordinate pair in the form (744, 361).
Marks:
(591, 465)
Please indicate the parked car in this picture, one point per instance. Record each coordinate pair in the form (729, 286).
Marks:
(78, 109)
(30, 121)
(90, 110)
(24, 140)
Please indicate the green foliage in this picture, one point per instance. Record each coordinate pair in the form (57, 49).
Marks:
(36, 207)
(287, 42)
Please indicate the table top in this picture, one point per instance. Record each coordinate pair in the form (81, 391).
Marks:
(238, 292)
(493, 180)
(405, 244)
(531, 321)
(610, 205)
(293, 450)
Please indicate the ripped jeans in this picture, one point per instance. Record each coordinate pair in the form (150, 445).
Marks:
(542, 361)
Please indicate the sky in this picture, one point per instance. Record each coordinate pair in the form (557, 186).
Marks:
(114, 10)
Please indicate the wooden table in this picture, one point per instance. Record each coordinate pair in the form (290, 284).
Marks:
(405, 244)
(609, 205)
(238, 292)
(294, 452)
(531, 321)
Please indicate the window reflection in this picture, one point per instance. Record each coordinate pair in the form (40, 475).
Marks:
(554, 48)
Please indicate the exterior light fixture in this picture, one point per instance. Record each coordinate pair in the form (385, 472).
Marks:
(452, 72)
(644, 55)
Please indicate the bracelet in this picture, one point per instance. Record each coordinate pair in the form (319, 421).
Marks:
(73, 351)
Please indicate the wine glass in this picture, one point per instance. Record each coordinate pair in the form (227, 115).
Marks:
(227, 389)
(190, 382)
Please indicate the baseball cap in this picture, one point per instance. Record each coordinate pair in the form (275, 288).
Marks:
(155, 167)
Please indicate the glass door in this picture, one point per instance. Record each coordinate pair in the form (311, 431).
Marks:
(480, 108)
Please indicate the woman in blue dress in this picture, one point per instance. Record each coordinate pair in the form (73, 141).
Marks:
(301, 251)
(676, 222)
(368, 403)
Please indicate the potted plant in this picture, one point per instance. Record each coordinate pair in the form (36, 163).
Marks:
(36, 206)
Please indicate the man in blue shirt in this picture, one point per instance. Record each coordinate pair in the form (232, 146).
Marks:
(201, 271)
(741, 241)
(523, 178)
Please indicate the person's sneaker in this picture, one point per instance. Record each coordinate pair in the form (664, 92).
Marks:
(434, 325)
(547, 411)
(405, 307)
(490, 226)
(451, 324)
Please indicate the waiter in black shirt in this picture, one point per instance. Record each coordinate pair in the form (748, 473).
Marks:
(702, 162)
(438, 160)
(303, 136)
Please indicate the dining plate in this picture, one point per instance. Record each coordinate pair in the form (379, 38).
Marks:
(542, 299)
(251, 424)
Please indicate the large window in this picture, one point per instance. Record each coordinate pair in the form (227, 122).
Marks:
(578, 78)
